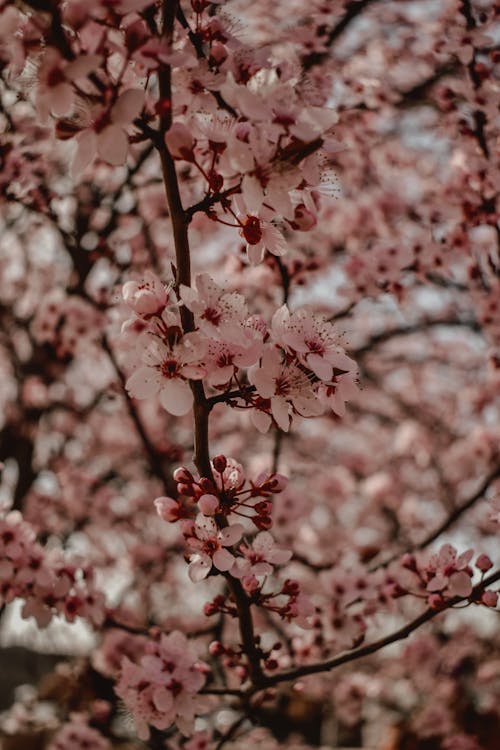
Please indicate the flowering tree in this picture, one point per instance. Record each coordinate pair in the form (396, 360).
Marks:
(249, 292)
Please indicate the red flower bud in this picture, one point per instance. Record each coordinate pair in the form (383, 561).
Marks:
(220, 463)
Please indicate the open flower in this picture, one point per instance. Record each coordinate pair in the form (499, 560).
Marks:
(210, 544)
(105, 133)
(167, 371)
(162, 688)
(147, 297)
(219, 314)
(314, 341)
(258, 560)
(449, 572)
(286, 386)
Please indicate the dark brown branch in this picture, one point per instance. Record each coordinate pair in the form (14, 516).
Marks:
(371, 648)
(353, 9)
(424, 325)
(460, 510)
(230, 732)
(201, 407)
(451, 519)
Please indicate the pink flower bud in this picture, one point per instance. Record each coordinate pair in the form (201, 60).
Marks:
(183, 475)
(216, 648)
(168, 509)
(483, 563)
(250, 583)
(220, 463)
(180, 142)
(146, 298)
(263, 522)
(206, 485)
(208, 504)
(490, 598)
(303, 219)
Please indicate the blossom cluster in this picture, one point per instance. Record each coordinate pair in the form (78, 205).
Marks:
(206, 507)
(446, 574)
(48, 584)
(78, 735)
(163, 687)
(294, 367)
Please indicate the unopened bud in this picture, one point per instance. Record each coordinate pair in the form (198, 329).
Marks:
(220, 463)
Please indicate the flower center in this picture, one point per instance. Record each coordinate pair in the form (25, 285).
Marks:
(169, 368)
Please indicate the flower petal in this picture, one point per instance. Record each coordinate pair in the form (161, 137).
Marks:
(112, 145)
(223, 560)
(176, 397)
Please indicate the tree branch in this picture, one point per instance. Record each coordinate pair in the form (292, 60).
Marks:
(371, 648)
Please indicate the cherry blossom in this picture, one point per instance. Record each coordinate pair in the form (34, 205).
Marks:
(162, 688)
(166, 372)
(211, 543)
(216, 223)
(286, 386)
(260, 557)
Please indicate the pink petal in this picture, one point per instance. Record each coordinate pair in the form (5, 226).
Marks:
(128, 106)
(279, 410)
(223, 560)
(199, 567)
(255, 253)
(320, 366)
(61, 100)
(144, 383)
(163, 699)
(261, 421)
(231, 534)
(176, 397)
(85, 152)
(460, 584)
(112, 145)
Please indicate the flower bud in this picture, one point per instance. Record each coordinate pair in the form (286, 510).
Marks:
(183, 475)
(168, 509)
(483, 563)
(263, 522)
(206, 485)
(264, 507)
(489, 598)
(216, 648)
(219, 463)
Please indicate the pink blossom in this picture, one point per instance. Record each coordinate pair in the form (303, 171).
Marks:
(258, 560)
(286, 386)
(105, 134)
(218, 314)
(162, 688)
(313, 339)
(167, 371)
(210, 544)
(146, 298)
(449, 571)
(77, 735)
